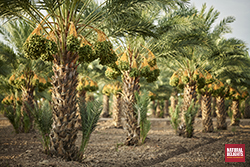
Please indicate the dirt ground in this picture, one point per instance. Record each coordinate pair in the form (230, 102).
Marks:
(162, 148)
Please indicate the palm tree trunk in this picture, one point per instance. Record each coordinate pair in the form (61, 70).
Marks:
(64, 132)
(189, 95)
(166, 112)
(158, 109)
(221, 113)
(236, 113)
(174, 101)
(153, 109)
(105, 111)
(27, 107)
(117, 110)
(206, 112)
(130, 85)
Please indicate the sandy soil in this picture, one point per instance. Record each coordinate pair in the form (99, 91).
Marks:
(162, 148)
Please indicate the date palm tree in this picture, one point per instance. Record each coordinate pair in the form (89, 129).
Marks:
(15, 34)
(135, 62)
(206, 98)
(59, 36)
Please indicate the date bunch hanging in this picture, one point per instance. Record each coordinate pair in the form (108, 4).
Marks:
(102, 49)
(183, 77)
(21, 80)
(87, 84)
(37, 46)
(136, 66)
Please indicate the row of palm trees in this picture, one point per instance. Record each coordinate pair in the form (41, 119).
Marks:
(78, 32)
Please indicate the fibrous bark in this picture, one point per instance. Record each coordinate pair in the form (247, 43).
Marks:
(158, 109)
(236, 113)
(221, 113)
(130, 85)
(174, 101)
(153, 109)
(166, 112)
(105, 111)
(117, 110)
(64, 132)
(27, 107)
(206, 112)
(189, 95)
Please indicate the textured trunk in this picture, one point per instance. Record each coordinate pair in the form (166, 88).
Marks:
(174, 101)
(153, 109)
(166, 112)
(117, 110)
(189, 95)
(236, 113)
(206, 112)
(158, 109)
(27, 107)
(105, 111)
(221, 113)
(130, 85)
(64, 132)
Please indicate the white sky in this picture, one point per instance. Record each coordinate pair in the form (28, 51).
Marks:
(237, 8)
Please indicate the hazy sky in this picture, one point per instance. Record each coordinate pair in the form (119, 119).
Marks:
(237, 8)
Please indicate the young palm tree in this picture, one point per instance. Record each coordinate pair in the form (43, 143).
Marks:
(135, 62)
(236, 98)
(160, 89)
(206, 98)
(220, 92)
(85, 84)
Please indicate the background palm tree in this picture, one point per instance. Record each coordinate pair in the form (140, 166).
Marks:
(231, 68)
(135, 62)
(15, 34)
(191, 52)
(107, 91)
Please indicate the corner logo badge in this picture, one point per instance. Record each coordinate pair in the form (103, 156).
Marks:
(234, 152)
